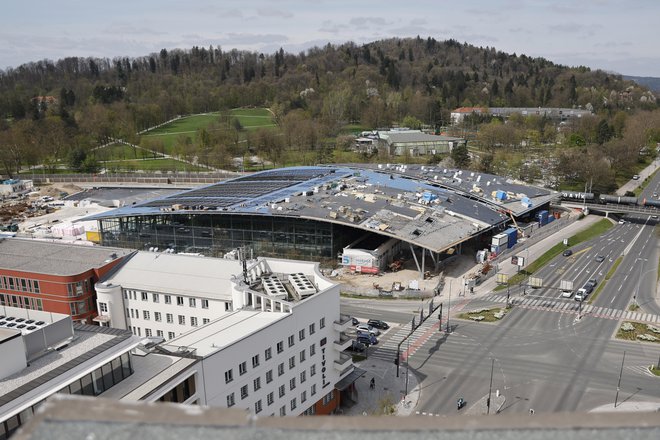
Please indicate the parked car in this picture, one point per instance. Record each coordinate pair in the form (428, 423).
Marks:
(354, 320)
(567, 253)
(599, 258)
(592, 283)
(377, 323)
(636, 177)
(367, 339)
(366, 328)
(566, 293)
(357, 347)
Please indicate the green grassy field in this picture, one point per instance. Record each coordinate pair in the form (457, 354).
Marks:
(120, 152)
(150, 165)
(164, 138)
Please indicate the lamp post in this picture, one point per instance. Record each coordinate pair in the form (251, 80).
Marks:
(639, 279)
(407, 363)
(448, 308)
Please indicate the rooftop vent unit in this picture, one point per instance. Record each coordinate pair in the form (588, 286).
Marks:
(274, 287)
(301, 284)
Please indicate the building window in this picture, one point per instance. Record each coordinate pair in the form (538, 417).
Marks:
(145, 315)
(192, 302)
(145, 296)
(229, 376)
(302, 356)
(269, 376)
(268, 353)
(179, 300)
(205, 303)
(292, 383)
(312, 370)
(292, 362)
(293, 404)
(182, 320)
(312, 349)
(159, 333)
(193, 321)
(280, 369)
(103, 307)
(280, 347)
(312, 328)
(313, 389)
(168, 299)
(257, 407)
(255, 361)
(270, 398)
(291, 341)
(154, 297)
(147, 332)
(170, 335)
(322, 323)
(132, 313)
(283, 411)
(242, 368)
(157, 316)
(244, 391)
(303, 397)
(36, 286)
(303, 376)
(328, 398)
(230, 400)
(205, 321)
(257, 383)
(301, 334)
(282, 391)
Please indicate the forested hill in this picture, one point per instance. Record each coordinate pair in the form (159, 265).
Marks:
(375, 84)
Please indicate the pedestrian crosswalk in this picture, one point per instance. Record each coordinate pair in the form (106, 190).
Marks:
(571, 306)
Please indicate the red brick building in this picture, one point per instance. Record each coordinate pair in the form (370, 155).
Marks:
(54, 277)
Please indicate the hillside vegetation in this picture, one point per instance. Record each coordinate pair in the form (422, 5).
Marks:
(51, 109)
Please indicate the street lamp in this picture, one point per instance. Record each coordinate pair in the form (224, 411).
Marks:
(639, 279)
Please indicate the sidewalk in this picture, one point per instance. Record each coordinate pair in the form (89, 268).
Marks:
(388, 392)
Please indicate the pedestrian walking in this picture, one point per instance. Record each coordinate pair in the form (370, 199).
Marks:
(372, 384)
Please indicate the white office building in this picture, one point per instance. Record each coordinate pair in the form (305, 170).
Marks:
(269, 339)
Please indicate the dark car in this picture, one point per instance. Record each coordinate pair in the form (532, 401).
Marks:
(567, 253)
(591, 283)
(378, 324)
(599, 258)
(357, 347)
(367, 339)
(354, 321)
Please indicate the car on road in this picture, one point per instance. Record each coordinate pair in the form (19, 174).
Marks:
(367, 339)
(566, 293)
(354, 320)
(655, 195)
(622, 222)
(366, 328)
(581, 294)
(636, 177)
(377, 323)
(599, 258)
(592, 283)
(567, 253)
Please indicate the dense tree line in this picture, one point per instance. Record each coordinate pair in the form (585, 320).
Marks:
(312, 95)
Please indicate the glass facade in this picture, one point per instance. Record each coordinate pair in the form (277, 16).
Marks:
(217, 234)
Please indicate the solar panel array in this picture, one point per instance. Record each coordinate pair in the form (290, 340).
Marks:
(284, 174)
(200, 202)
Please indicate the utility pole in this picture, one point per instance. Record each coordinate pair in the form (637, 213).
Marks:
(618, 387)
(407, 364)
(490, 388)
(448, 308)
(440, 319)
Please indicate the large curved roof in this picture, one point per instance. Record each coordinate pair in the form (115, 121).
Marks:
(428, 206)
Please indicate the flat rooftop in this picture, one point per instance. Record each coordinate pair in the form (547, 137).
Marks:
(50, 258)
(223, 332)
(175, 273)
(428, 206)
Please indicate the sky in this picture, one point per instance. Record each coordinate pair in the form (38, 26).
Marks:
(614, 35)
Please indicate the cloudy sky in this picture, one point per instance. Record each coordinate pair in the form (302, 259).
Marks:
(615, 35)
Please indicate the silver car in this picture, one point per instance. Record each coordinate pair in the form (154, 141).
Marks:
(366, 328)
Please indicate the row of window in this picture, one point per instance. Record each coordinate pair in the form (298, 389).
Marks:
(148, 332)
(270, 399)
(242, 367)
(23, 302)
(268, 353)
(91, 384)
(167, 299)
(181, 392)
(79, 288)
(158, 317)
(19, 284)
